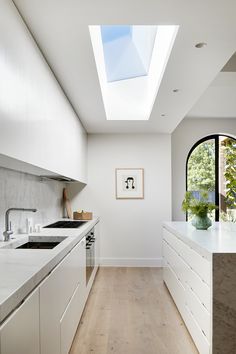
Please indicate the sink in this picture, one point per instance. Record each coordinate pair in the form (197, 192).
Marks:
(37, 242)
(38, 245)
(42, 242)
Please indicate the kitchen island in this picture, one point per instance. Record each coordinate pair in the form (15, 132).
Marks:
(200, 273)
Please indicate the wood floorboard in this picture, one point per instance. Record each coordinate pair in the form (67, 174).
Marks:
(130, 311)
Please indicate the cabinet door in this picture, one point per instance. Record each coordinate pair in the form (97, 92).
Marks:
(70, 320)
(20, 332)
(55, 294)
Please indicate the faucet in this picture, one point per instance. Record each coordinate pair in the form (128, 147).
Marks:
(8, 231)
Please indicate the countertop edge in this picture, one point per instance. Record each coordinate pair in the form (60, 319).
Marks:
(196, 247)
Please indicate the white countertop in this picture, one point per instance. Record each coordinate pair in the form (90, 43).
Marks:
(219, 238)
(21, 270)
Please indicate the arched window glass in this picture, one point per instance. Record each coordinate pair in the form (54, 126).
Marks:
(211, 166)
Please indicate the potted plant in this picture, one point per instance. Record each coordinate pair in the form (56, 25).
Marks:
(199, 208)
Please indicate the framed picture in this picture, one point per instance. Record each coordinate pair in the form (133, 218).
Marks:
(129, 183)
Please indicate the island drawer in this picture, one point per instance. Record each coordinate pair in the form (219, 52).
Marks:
(199, 312)
(176, 263)
(175, 287)
(200, 288)
(172, 240)
(196, 262)
(199, 338)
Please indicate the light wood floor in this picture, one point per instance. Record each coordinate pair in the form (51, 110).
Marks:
(129, 311)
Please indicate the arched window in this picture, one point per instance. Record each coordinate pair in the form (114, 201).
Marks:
(211, 166)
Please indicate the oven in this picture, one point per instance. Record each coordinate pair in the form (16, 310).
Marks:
(90, 254)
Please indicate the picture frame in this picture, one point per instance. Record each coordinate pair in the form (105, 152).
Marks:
(129, 183)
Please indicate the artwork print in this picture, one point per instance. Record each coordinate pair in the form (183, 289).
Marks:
(129, 183)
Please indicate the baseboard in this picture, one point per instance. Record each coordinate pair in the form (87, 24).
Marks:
(131, 262)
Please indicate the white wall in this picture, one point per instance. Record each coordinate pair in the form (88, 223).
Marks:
(188, 132)
(37, 123)
(130, 229)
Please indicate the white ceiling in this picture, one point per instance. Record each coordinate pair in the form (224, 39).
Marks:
(61, 31)
(219, 100)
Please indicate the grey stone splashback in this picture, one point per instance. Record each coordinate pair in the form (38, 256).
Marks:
(23, 190)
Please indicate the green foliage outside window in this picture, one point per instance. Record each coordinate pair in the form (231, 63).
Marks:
(230, 172)
(201, 167)
(201, 174)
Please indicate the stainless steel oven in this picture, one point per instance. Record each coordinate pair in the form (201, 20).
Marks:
(90, 254)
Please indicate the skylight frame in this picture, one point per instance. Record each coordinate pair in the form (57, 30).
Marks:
(133, 99)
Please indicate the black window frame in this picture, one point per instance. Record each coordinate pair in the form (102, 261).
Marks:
(214, 137)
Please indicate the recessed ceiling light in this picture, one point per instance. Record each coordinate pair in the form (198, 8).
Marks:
(176, 90)
(200, 45)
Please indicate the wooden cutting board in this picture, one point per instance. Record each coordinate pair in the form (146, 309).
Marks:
(67, 205)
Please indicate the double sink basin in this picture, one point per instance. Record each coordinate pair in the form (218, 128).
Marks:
(45, 242)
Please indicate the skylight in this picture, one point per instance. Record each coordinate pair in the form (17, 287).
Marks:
(127, 50)
(131, 61)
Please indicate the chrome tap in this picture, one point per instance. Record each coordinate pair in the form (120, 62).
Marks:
(8, 232)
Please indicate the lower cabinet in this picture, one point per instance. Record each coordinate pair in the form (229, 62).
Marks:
(46, 322)
(19, 334)
(70, 319)
(61, 296)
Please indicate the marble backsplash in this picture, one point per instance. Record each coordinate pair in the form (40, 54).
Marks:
(27, 191)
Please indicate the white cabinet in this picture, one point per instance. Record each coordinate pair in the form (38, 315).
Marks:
(46, 322)
(187, 275)
(38, 124)
(61, 296)
(19, 334)
(70, 320)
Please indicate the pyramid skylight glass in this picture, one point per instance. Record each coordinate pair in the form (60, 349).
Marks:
(127, 50)
(131, 62)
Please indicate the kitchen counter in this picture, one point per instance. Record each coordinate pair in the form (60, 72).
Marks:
(21, 270)
(219, 238)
